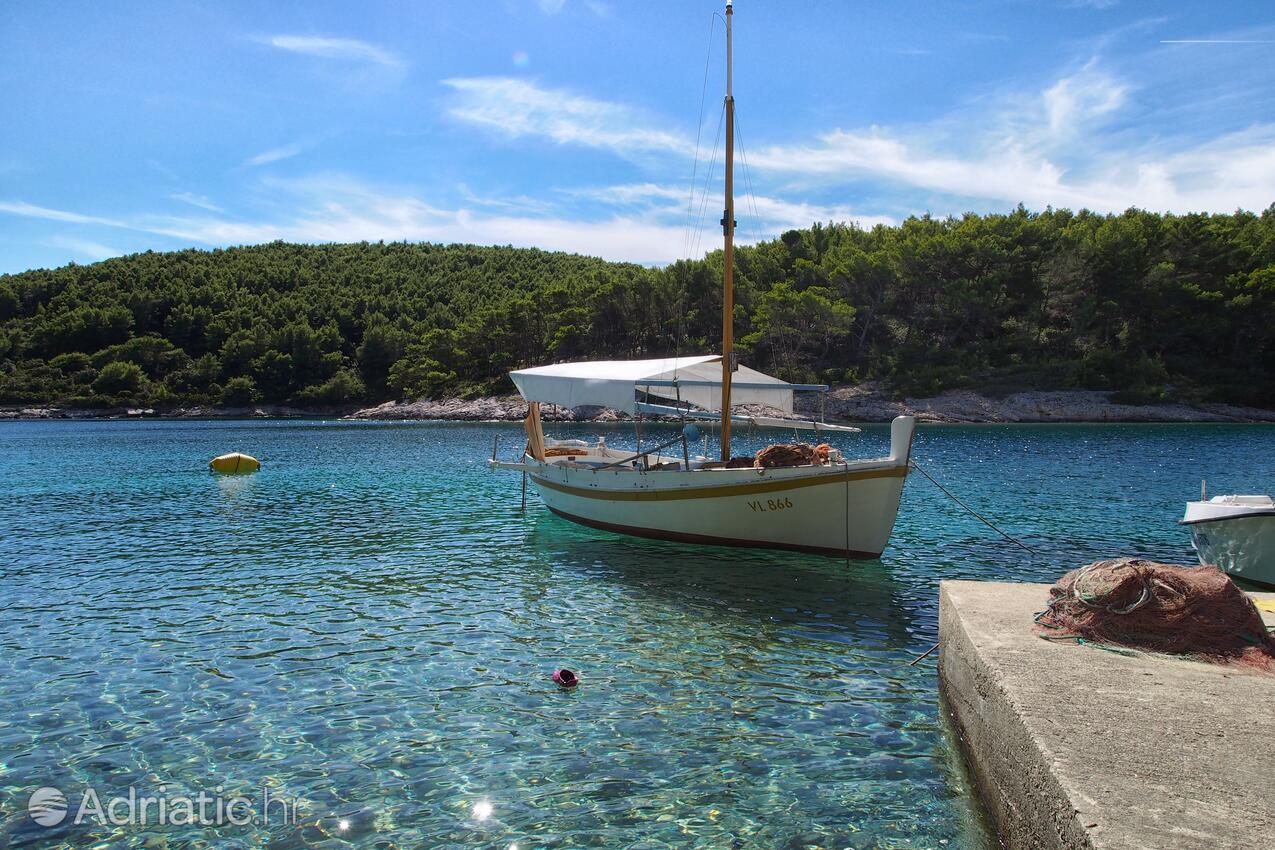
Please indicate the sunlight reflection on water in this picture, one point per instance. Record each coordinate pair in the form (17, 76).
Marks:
(369, 625)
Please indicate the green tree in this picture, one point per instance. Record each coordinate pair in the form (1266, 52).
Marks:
(424, 377)
(1141, 303)
(119, 379)
(87, 329)
(383, 345)
(240, 391)
(155, 355)
(9, 303)
(345, 386)
(800, 331)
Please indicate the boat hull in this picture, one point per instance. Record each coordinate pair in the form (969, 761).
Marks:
(838, 511)
(1242, 544)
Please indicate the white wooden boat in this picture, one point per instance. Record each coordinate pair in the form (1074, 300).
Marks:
(840, 507)
(830, 506)
(1236, 534)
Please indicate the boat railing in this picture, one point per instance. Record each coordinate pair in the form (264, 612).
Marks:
(680, 438)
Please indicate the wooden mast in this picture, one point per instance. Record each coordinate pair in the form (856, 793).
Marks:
(728, 230)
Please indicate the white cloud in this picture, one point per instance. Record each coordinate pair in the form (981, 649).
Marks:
(22, 208)
(1078, 140)
(274, 155)
(760, 217)
(350, 49)
(633, 193)
(83, 247)
(208, 231)
(644, 223)
(517, 108)
(771, 214)
(1067, 144)
(1082, 99)
(194, 200)
(340, 209)
(1063, 147)
(597, 7)
(641, 222)
(330, 208)
(513, 203)
(776, 215)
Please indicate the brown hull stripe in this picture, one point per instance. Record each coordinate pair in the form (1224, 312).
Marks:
(709, 540)
(742, 489)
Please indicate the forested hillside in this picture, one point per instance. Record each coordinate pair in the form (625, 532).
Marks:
(1154, 306)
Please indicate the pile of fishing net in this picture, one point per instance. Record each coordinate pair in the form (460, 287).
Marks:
(1193, 611)
(791, 454)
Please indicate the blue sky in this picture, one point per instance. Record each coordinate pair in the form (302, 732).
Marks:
(572, 124)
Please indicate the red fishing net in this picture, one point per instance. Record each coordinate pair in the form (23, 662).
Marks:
(1193, 611)
(791, 454)
(785, 454)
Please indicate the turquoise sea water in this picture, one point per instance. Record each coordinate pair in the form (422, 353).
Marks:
(367, 627)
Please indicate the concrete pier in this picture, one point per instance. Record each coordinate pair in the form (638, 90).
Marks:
(1075, 747)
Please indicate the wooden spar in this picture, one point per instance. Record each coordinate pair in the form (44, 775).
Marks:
(728, 230)
(535, 435)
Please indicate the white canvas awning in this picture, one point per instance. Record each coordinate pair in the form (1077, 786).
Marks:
(614, 383)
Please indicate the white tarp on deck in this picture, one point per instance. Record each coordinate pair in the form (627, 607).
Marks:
(614, 383)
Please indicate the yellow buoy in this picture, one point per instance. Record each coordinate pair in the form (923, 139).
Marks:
(235, 463)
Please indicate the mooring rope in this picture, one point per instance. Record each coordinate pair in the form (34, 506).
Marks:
(846, 465)
(971, 511)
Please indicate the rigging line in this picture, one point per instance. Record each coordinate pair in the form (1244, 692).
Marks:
(690, 201)
(694, 230)
(699, 230)
(971, 511)
(699, 130)
(708, 178)
(748, 179)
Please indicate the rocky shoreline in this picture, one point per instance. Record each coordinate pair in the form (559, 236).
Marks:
(868, 404)
(861, 403)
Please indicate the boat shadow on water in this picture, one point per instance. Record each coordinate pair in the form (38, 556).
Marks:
(842, 601)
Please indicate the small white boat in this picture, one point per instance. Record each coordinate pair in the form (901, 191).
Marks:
(1235, 534)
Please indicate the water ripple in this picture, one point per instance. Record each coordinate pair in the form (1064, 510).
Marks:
(368, 625)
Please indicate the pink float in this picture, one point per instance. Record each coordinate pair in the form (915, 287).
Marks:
(565, 678)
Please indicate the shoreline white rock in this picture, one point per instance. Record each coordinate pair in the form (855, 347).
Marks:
(864, 403)
(867, 404)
